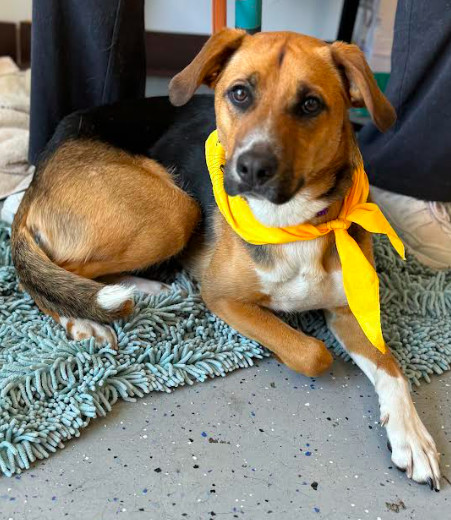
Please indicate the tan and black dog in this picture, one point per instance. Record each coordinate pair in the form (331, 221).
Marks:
(97, 208)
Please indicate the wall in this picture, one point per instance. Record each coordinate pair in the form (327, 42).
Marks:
(316, 17)
(15, 10)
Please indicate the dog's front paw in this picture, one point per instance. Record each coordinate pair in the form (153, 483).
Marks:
(311, 358)
(413, 449)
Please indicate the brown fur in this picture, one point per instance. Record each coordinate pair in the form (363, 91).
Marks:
(345, 327)
(361, 85)
(80, 207)
(231, 290)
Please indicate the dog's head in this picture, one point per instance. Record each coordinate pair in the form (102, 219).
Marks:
(281, 104)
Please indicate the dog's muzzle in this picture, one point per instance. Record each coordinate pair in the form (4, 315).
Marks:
(255, 171)
(257, 166)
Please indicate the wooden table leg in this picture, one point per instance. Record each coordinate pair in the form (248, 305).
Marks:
(219, 11)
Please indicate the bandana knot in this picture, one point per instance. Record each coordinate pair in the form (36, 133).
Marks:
(338, 223)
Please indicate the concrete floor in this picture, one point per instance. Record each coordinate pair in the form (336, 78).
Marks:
(262, 442)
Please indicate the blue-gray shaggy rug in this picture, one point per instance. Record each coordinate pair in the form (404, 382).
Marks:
(51, 387)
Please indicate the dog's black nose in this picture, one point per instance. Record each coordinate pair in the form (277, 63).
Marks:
(257, 165)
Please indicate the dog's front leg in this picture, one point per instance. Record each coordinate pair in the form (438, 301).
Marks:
(413, 449)
(300, 352)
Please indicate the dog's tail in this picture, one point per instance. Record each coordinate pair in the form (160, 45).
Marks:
(61, 292)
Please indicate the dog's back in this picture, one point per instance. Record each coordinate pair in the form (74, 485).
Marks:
(152, 127)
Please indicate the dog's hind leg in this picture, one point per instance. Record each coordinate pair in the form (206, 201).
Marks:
(413, 449)
(79, 329)
(95, 211)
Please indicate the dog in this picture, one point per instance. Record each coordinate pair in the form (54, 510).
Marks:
(125, 187)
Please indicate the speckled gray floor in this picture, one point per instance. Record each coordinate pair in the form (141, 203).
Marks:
(261, 443)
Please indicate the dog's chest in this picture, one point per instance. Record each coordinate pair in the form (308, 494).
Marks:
(297, 281)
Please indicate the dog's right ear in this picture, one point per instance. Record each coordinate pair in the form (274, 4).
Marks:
(206, 66)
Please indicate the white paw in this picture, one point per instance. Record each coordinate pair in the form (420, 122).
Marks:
(79, 329)
(413, 449)
(143, 285)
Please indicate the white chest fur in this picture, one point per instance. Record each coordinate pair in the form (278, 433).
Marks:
(298, 281)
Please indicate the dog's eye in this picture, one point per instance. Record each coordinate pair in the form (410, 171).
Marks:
(240, 96)
(311, 105)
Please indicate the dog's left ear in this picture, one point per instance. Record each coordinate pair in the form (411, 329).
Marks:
(206, 66)
(361, 85)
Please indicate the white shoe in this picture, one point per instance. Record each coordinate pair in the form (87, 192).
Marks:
(424, 227)
(10, 207)
(11, 204)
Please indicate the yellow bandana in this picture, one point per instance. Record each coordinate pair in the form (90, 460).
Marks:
(360, 280)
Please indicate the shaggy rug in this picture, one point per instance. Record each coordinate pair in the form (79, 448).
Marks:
(51, 387)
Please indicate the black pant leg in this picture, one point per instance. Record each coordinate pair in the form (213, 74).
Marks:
(84, 53)
(414, 157)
